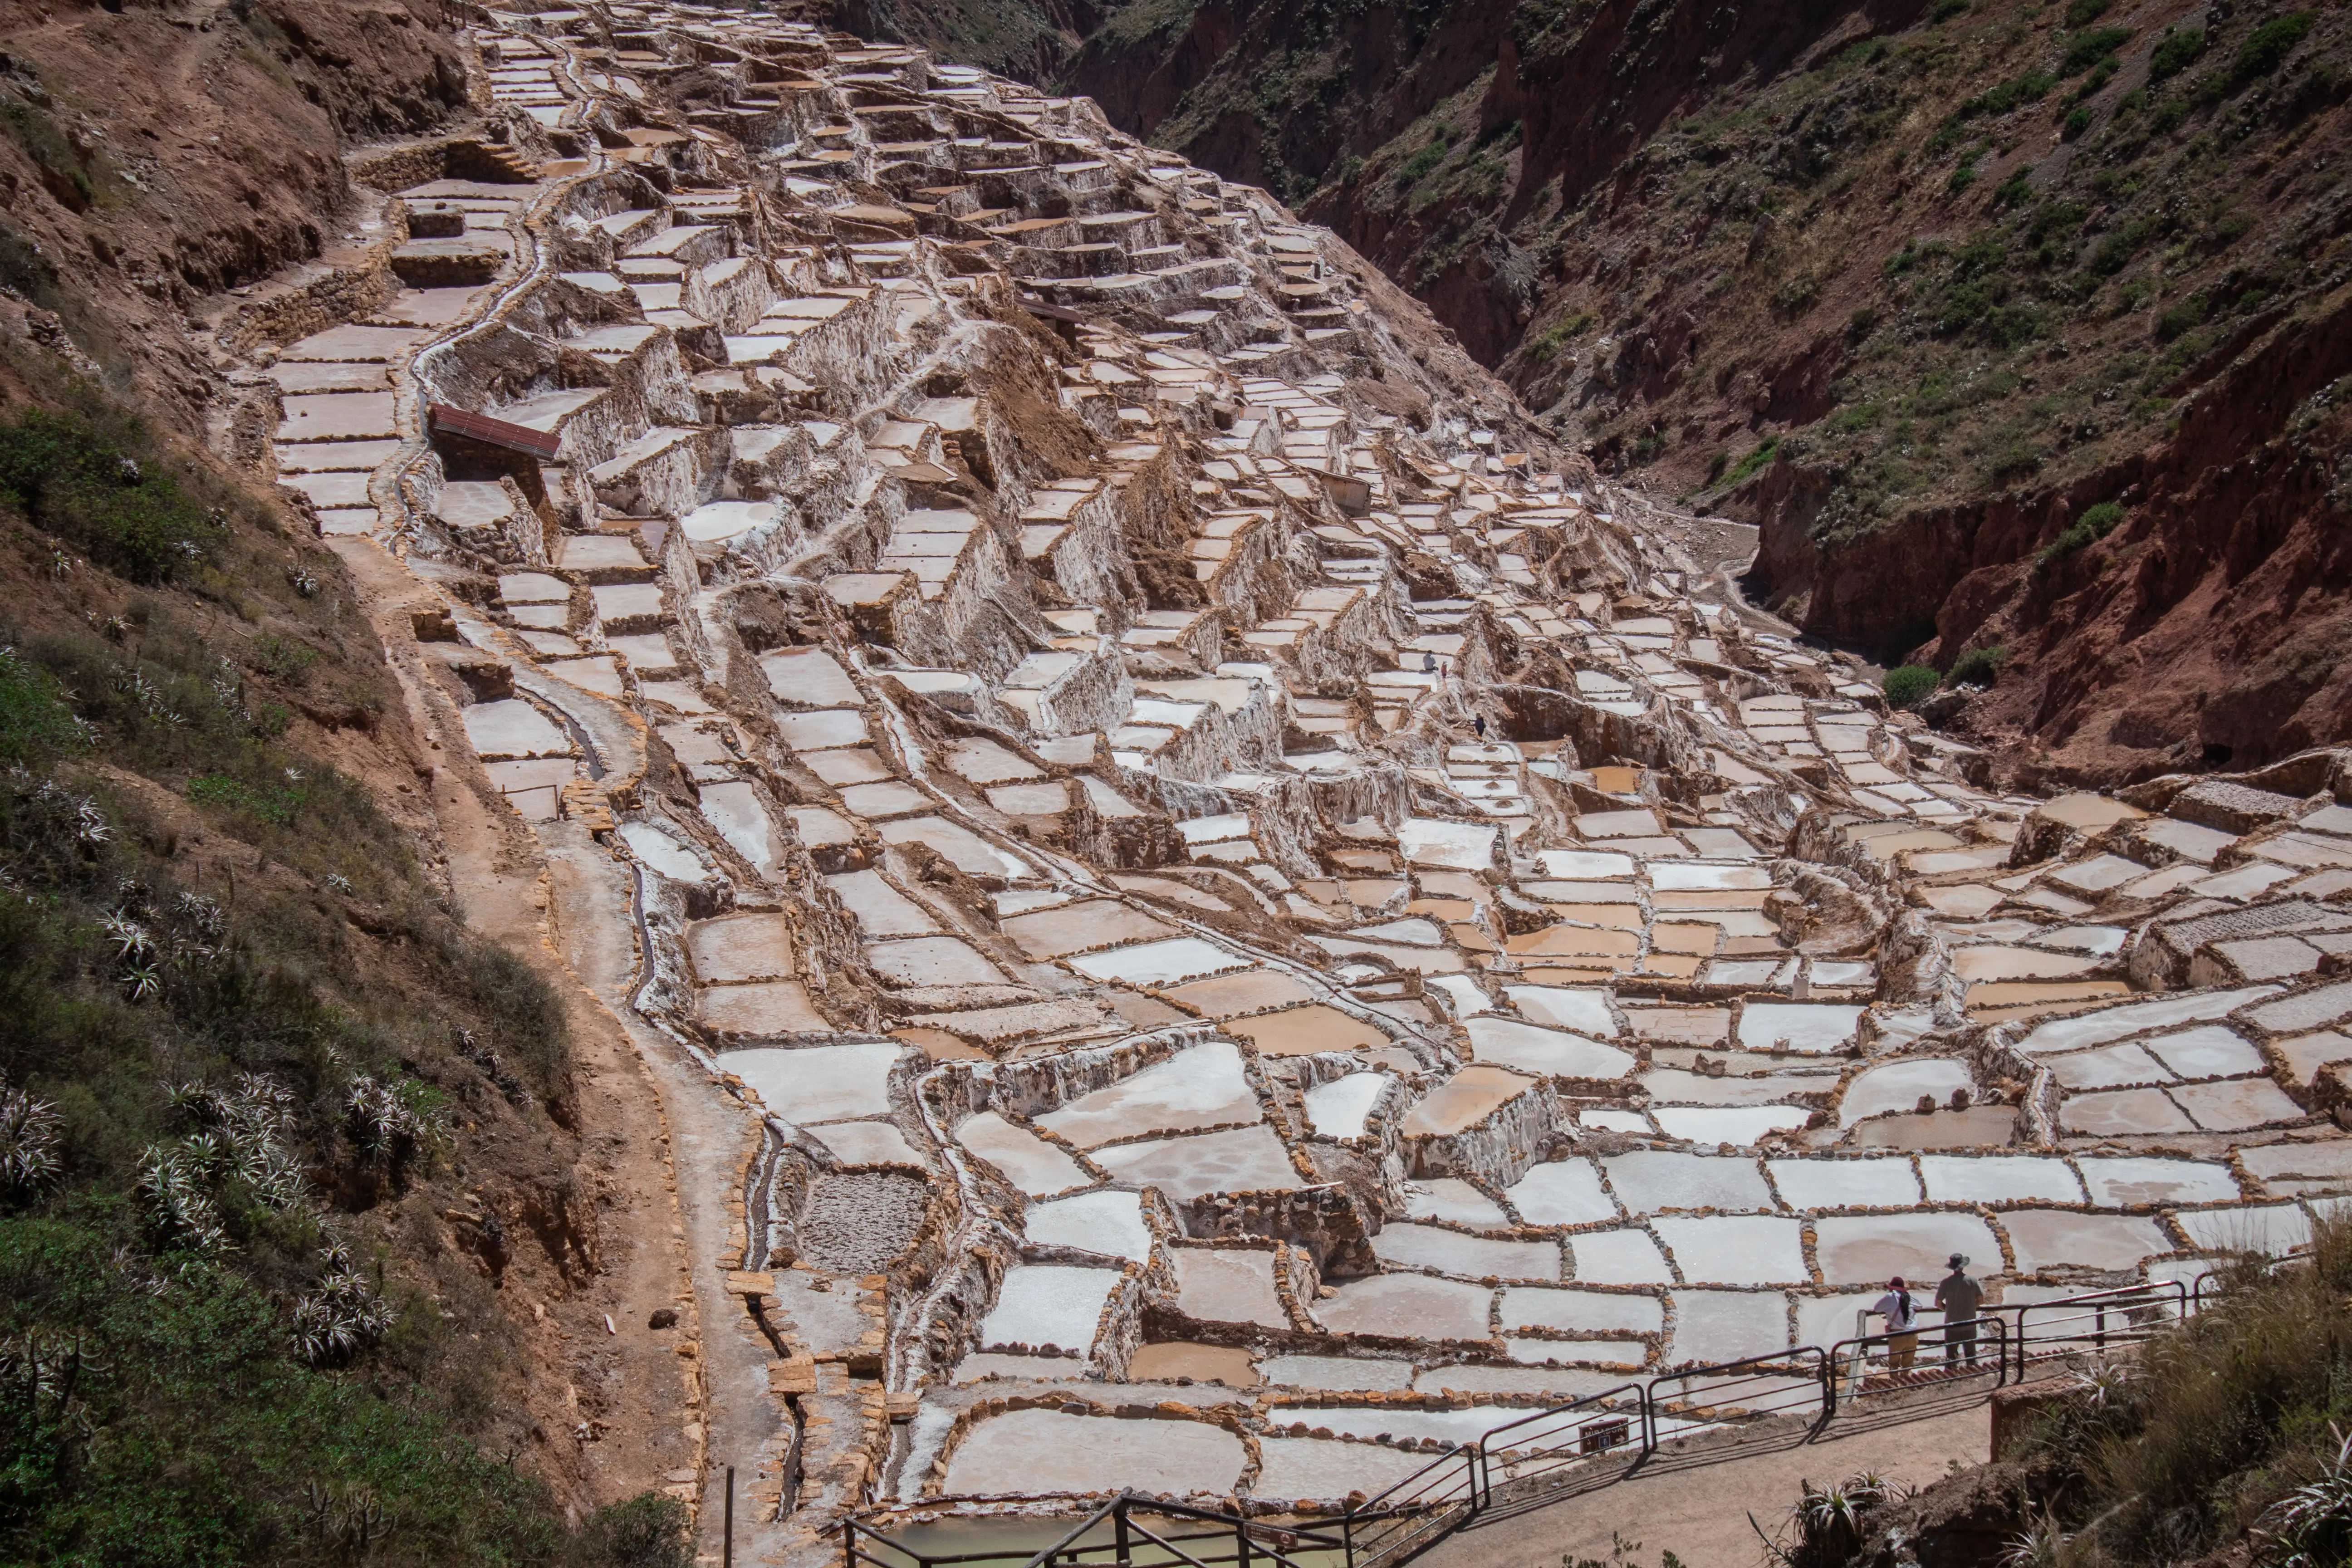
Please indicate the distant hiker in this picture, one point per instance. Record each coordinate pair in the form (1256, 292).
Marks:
(1901, 1315)
(1428, 662)
(1959, 1299)
(1479, 724)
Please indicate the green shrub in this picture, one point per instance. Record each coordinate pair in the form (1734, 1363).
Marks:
(2078, 121)
(647, 1531)
(2271, 44)
(1978, 666)
(84, 484)
(2175, 53)
(1944, 10)
(1422, 162)
(2183, 317)
(2095, 523)
(1758, 455)
(2089, 49)
(1909, 685)
(2082, 13)
(2027, 88)
(35, 724)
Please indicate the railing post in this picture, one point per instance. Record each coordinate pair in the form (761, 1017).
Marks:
(727, 1540)
(1241, 1534)
(1829, 1384)
(1119, 1530)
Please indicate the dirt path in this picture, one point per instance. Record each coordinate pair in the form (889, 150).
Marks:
(618, 1399)
(1701, 1514)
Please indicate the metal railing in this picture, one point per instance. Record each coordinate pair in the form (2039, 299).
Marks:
(2096, 1322)
(1890, 1363)
(1542, 1449)
(1621, 1427)
(1412, 1515)
(1143, 1532)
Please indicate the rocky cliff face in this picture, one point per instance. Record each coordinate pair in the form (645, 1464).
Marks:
(1911, 285)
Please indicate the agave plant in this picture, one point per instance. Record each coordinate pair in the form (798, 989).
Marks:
(142, 982)
(2103, 1383)
(2314, 1523)
(29, 1133)
(172, 1182)
(340, 1316)
(381, 1122)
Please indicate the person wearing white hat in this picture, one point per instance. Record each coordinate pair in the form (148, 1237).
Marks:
(1959, 1299)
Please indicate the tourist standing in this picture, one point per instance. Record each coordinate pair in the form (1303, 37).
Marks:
(1961, 1299)
(1902, 1315)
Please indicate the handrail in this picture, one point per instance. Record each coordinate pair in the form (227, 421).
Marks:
(1437, 1499)
(1819, 1379)
(2095, 1308)
(1957, 1347)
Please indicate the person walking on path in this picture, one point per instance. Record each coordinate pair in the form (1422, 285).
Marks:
(1902, 1314)
(1961, 1300)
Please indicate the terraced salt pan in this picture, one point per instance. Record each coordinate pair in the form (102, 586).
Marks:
(1897, 1086)
(2118, 1182)
(1855, 1250)
(2276, 1229)
(1736, 1249)
(733, 807)
(1470, 1256)
(1407, 1307)
(1454, 1202)
(1586, 1012)
(880, 909)
(1546, 1052)
(1811, 1026)
(1046, 1451)
(2049, 1239)
(1159, 963)
(1563, 1191)
(1170, 1359)
(1032, 1164)
(1735, 1124)
(1227, 1284)
(1340, 1372)
(1340, 1108)
(1315, 1467)
(1201, 1086)
(1625, 1257)
(1527, 1309)
(2116, 1023)
(1875, 1181)
(1999, 1179)
(1648, 1180)
(1047, 1308)
(931, 961)
(1106, 1221)
(659, 852)
(965, 849)
(1245, 1159)
(820, 1083)
(2212, 1051)
(1074, 928)
(1712, 1327)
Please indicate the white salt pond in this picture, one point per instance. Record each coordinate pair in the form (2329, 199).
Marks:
(1526, 1308)
(1106, 1221)
(1340, 1108)
(1243, 1160)
(1201, 1086)
(820, 1083)
(1563, 1191)
(1411, 1245)
(1032, 1164)
(1736, 1249)
(1649, 1180)
(1407, 1307)
(1811, 1026)
(1227, 1284)
(1874, 1181)
(1047, 1308)
(1547, 1052)
(1048, 1451)
(1626, 1256)
(1159, 963)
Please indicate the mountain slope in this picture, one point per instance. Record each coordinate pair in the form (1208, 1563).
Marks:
(1914, 285)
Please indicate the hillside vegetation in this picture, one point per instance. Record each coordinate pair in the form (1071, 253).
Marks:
(246, 1055)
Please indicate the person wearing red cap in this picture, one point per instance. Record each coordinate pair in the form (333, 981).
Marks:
(1901, 1315)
